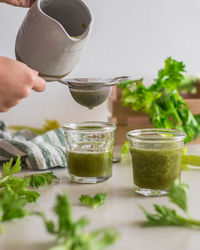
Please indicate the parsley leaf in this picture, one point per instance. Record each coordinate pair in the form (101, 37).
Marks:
(16, 192)
(93, 202)
(12, 205)
(70, 234)
(37, 180)
(9, 170)
(165, 216)
(178, 194)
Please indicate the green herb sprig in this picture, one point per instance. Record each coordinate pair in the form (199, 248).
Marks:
(38, 180)
(165, 216)
(70, 234)
(95, 201)
(16, 192)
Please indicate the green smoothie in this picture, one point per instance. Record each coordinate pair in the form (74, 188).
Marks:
(90, 164)
(156, 168)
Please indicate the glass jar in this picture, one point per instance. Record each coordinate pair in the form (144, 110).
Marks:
(89, 151)
(156, 159)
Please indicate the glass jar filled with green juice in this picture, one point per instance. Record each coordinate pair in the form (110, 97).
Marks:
(156, 159)
(89, 151)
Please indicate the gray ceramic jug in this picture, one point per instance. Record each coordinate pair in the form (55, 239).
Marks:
(53, 36)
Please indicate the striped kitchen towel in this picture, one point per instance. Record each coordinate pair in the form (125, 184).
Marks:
(38, 152)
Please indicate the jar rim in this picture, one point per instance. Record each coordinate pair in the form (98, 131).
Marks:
(156, 134)
(90, 126)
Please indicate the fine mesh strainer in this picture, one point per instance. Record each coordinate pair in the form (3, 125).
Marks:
(90, 92)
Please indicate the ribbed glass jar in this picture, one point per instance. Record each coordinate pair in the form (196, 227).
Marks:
(156, 159)
(89, 151)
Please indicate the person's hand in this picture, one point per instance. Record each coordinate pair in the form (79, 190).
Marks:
(16, 82)
(20, 3)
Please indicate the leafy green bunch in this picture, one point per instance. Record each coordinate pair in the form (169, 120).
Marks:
(16, 192)
(70, 234)
(162, 101)
(165, 216)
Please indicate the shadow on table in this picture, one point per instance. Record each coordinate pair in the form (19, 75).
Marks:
(121, 192)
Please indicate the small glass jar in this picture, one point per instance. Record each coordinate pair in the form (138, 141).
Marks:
(89, 151)
(156, 159)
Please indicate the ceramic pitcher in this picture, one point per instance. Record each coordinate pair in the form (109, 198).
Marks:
(53, 36)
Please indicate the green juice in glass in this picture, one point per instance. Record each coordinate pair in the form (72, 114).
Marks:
(156, 168)
(89, 164)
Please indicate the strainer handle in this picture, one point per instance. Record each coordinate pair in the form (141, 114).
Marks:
(121, 78)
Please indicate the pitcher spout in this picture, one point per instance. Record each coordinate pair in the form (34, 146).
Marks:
(73, 15)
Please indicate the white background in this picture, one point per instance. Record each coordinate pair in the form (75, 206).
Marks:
(129, 37)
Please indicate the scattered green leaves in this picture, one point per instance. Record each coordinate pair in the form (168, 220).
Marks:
(165, 216)
(93, 202)
(16, 192)
(162, 101)
(69, 233)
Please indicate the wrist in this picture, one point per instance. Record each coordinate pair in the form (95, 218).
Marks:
(3, 1)
(3, 63)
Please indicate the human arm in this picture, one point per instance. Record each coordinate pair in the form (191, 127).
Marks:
(19, 3)
(16, 82)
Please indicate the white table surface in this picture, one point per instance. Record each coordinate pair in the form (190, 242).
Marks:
(120, 211)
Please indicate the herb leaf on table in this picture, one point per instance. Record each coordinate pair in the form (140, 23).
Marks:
(70, 234)
(97, 200)
(9, 169)
(178, 194)
(37, 180)
(165, 216)
(16, 192)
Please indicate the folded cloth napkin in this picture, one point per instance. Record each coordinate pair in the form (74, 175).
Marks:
(37, 152)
